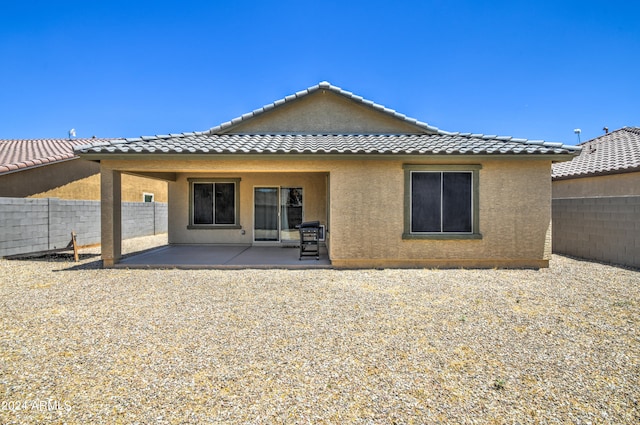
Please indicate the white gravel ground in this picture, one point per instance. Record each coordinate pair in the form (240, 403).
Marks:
(80, 345)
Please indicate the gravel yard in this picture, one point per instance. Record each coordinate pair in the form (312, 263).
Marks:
(80, 345)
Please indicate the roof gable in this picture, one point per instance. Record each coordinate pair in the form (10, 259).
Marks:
(323, 109)
(325, 119)
(611, 153)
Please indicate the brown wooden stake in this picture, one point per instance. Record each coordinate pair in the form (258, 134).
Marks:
(75, 246)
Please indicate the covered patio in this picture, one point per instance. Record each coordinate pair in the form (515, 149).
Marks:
(224, 257)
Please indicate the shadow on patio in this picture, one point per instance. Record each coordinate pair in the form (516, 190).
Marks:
(224, 257)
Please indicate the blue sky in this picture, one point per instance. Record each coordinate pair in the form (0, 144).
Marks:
(532, 69)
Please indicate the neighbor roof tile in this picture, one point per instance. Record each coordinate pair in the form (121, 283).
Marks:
(17, 155)
(614, 152)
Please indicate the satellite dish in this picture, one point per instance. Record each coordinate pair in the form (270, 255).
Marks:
(578, 131)
(72, 133)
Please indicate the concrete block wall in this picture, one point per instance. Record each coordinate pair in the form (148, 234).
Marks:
(65, 216)
(161, 217)
(143, 218)
(31, 225)
(137, 219)
(24, 225)
(598, 228)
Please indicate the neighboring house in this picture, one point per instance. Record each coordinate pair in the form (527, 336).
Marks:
(391, 191)
(608, 165)
(596, 200)
(47, 191)
(48, 168)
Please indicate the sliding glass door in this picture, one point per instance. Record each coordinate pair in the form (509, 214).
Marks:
(265, 221)
(290, 213)
(277, 213)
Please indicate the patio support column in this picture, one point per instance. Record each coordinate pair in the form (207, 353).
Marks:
(110, 216)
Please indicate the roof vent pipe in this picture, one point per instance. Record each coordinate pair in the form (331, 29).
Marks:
(606, 130)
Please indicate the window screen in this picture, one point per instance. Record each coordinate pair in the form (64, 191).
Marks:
(441, 202)
(425, 202)
(225, 203)
(214, 203)
(203, 203)
(456, 202)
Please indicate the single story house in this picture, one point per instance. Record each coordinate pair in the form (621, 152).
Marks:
(49, 168)
(390, 191)
(596, 200)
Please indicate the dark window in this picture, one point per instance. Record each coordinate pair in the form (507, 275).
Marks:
(225, 203)
(214, 203)
(425, 202)
(441, 202)
(203, 203)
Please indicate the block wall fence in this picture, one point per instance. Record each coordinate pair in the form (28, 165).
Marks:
(31, 224)
(604, 229)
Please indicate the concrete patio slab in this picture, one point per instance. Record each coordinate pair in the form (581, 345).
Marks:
(224, 257)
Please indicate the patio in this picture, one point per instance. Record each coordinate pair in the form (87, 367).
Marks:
(224, 257)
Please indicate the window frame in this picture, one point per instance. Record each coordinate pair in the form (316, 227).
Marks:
(214, 180)
(474, 169)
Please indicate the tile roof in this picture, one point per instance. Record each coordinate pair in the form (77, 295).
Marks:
(16, 155)
(432, 141)
(329, 144)
(614, 152)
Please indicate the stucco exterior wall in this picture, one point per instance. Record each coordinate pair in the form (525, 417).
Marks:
(74, 179)
(133, 188)
(366, 208)
(46, 179)
(626, 184)
(324, 112)
(367, 218)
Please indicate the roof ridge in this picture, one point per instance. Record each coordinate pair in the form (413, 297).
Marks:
(608, 134)
(56, 139)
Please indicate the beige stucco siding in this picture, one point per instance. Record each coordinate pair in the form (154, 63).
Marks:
(515, 209)
(365, 214)
(367, 218)
(133, 188)
(627, 184)
(324, 112)
(74, 179)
